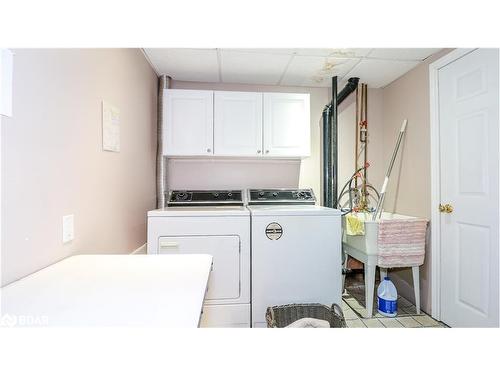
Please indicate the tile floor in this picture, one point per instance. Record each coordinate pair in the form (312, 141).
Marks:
(354, 311)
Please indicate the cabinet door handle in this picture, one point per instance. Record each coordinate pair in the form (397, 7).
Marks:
(259, 151)
(209, 150)
(267, 151)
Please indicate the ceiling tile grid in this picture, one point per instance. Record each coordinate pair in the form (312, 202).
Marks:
(252, 67)
(185, 64)
(310, 67)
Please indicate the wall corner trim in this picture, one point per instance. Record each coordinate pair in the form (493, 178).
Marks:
(150, 62)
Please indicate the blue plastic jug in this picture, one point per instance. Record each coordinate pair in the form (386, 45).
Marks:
(387, 298)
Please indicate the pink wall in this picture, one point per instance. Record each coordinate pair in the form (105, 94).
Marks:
(232, 173)
(53, 163)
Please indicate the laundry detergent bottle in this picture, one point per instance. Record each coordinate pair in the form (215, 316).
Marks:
(387, 298)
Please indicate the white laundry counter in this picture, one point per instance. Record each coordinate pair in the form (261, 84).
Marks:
(111, 290)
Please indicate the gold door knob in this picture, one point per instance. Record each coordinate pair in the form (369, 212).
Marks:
(446, 208)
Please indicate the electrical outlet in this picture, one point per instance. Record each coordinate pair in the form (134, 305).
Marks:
(68, 228)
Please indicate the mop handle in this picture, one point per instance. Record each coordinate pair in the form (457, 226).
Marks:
(380, 203)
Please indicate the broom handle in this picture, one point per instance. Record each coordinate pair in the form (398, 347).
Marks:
(380, 204)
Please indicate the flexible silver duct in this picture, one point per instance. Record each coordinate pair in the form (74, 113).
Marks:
(160, 160)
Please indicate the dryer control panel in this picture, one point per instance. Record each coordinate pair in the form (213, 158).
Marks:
(205, 198)
(281, 196)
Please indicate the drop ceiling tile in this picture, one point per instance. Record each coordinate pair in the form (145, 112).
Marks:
(272, 51)
(186, 64)
(319, 52)
(334, 52)
(402, 53)
(315, 71)
(379, 73)
(252, 68)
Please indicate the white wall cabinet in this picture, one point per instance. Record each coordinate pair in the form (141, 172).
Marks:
(239, 124)
(286, 124)
(189, 123)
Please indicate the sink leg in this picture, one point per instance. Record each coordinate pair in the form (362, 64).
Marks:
(369, 288)
(416, 286)
(344, 265)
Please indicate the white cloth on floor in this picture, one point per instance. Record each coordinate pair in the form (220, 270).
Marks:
(309, 323)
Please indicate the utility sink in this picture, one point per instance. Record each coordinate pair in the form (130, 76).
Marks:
(365, 249)
(368, 243)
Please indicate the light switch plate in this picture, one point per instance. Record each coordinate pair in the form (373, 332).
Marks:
(68, 228)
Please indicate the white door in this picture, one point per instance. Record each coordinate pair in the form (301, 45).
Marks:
(469, 162)
(237, 123)
(188, 127)
(286, 125)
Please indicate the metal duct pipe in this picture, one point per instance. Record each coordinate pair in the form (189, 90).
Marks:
(330, 140)
(164, 83)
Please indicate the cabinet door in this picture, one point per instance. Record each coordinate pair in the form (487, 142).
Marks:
(286, 125)
(238, 123)
(188, 126)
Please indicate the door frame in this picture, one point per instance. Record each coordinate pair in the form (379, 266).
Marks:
(436, 175)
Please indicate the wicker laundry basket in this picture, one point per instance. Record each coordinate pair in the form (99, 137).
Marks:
(284, 315)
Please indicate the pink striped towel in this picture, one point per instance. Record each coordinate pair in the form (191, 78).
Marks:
(401, 242)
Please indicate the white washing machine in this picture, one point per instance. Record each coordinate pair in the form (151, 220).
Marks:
(215, 223)
(296, 250)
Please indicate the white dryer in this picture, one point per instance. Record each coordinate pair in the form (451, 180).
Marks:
(296, 250)
(215, 223)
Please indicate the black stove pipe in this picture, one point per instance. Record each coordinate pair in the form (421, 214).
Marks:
(330, 140)
(327, 168)
(352, 84)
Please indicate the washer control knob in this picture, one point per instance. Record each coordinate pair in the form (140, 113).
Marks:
(261, 193)
(216, 195)
(229, 194)
(181, 196)
(275, 194)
